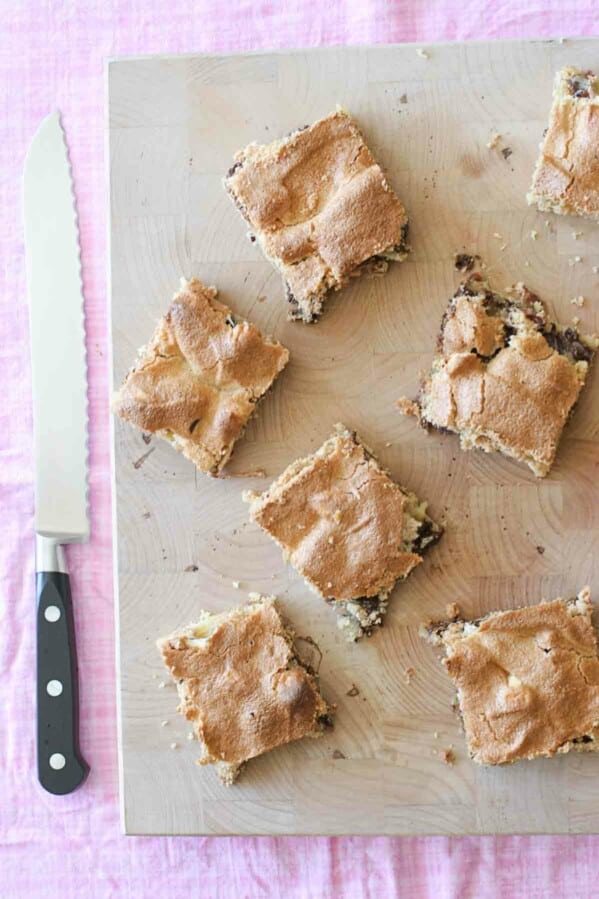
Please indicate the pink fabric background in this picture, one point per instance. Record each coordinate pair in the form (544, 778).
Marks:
(51, 55)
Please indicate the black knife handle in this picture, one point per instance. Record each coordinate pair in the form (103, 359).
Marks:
(61, 767)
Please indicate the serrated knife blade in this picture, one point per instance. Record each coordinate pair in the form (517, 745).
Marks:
(60, 442)
(57, 338)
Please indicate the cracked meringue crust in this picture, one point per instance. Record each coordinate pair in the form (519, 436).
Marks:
(527, 679)
(242, 685)
(348, 529)
(505, 377)
(198, 381)
(321, 209)
(566, 177)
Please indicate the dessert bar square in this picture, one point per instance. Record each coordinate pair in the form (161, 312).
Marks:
(348, 529)
(566, 177)
(242, 685)
(527, 680)
(321, 209)
(199, 379)
(505, 377)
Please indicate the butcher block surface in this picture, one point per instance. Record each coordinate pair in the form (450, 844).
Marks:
(184, 540)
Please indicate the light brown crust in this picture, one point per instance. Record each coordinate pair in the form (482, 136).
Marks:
(471, 328)
(243, 688)
(497, 381)
(527, 680)
(200, 377)
(319, 205)
(566, 177)
(339, 520)
(521, 399)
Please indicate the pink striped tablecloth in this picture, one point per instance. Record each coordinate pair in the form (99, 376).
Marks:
(51, 55)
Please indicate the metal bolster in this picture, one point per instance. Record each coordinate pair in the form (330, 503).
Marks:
(49, 555)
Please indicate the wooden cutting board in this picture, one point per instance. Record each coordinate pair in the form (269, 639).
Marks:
(183, 538)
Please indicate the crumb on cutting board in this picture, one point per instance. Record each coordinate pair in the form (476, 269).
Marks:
(448, 756)
(465, 262)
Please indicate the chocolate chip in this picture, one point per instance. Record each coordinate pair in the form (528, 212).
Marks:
(194, 425)
(234, 168)
(580, 85)
(427, 535)
(551, 336)
(369, 604)
(506, 152)
(325, 720)
(295, 310)
(464, 262)
(568, 343)
(580, 352)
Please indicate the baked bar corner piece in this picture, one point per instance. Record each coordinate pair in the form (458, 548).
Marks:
(527, 680)
(198, 380)
(321, 209)
(566, 177)
(242, 685)
(347, 528)
(505, 377)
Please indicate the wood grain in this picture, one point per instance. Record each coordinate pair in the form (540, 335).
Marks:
(182, 538)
